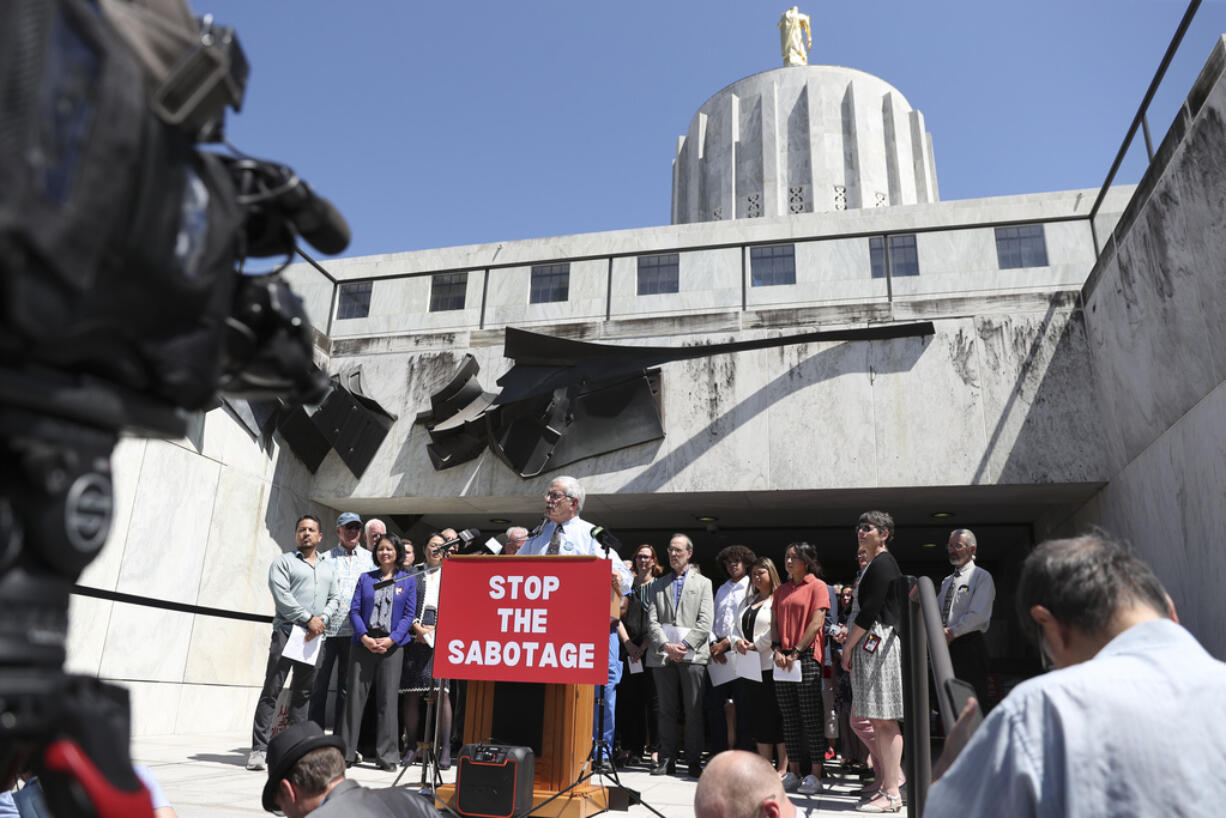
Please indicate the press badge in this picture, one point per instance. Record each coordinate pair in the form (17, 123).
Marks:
(870, 643)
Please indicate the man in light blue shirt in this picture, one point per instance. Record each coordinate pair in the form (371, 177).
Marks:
(1130, 724)
(564, 534)
(304, 593)
(350, 560)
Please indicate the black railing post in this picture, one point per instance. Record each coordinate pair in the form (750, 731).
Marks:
(916, 734)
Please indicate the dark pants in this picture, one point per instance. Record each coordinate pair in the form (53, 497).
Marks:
(715, 699)
(637, 712)
(274, 680)
(335, 652)
(679, 688)
(382, 672)
(969, 656)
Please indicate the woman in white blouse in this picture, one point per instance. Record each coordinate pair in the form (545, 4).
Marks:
(754, 622)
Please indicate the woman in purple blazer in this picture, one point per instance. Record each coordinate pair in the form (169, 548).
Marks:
(382, 611)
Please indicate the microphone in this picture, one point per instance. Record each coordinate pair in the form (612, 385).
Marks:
(463, 539)
(314, 217)
(539, 527)
(606, 538)
(282, 204)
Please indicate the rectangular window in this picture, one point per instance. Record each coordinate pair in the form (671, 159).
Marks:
(772, 265)
(904, 260)
(550, 282)
(354, 301)
(659, 274)
(447, 291)
(1021, 246)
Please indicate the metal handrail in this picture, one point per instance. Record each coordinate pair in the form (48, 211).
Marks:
(1139, 120)
(925, 646)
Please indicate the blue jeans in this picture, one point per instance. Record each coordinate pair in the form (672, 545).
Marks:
(610, 696)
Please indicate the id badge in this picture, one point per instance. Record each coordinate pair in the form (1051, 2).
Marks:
(871, 643)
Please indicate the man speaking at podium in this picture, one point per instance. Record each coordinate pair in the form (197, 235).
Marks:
(564, 533)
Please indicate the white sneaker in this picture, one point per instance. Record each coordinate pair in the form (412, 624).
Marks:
(812, 785)
(255, 761)
(790, 781)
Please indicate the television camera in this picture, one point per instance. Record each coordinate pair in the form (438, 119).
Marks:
(124, 305)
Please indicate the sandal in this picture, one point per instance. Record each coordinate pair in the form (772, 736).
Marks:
(893, 803)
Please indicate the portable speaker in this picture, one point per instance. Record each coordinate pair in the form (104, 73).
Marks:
(493, 781)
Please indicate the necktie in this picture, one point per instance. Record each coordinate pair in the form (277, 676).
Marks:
(948, 604)
(555, 541)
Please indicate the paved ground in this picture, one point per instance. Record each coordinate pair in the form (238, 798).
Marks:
(205, 777)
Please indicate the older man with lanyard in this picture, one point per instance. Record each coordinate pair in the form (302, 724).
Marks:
(965, 602)
(564, 533)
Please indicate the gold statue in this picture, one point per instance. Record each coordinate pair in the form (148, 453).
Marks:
(791, 25)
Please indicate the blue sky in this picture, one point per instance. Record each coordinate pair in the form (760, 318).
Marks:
(433, 124)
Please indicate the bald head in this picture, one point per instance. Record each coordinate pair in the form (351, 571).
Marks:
(737, 784)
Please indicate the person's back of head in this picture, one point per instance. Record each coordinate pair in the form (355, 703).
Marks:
(311, 778)
(737, 784)
(1084, 582)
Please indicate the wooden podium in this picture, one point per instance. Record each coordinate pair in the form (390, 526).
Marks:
(566, 741)
(554, 719)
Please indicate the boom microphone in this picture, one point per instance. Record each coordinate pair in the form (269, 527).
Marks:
(315, 218)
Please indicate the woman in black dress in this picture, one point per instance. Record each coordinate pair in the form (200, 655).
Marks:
(754, 635)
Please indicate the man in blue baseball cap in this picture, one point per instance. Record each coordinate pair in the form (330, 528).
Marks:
(349, 560)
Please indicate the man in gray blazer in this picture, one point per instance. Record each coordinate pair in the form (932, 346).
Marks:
(679, 620)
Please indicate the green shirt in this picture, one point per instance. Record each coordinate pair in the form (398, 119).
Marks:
(301, 590)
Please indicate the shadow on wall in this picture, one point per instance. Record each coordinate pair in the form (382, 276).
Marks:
(1050, 428)
(825, 364)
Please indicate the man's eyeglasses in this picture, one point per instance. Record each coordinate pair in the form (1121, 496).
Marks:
(555, 495)
(353, 526)
(866, 527)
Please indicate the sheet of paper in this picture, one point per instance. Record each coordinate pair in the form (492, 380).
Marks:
(792, 675)
(298, 649)
(429, 637)
(635, 667)
(672, 633)
(749, 666)
(721, 674)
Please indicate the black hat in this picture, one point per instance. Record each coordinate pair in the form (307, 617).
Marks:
(287, 747)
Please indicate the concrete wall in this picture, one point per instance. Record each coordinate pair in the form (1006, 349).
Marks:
(957, 254)
(945, 410)
(196, 521)
(1157, 346)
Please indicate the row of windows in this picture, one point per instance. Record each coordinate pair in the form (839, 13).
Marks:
(769, 266)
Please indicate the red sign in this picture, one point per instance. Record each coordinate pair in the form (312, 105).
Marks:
(524, 619)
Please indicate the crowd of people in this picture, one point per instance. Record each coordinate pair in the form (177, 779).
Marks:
(785, 665)
(782, 663)
(802, 673)
(777, 676)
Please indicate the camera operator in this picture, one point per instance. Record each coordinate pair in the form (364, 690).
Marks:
(124, 307)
